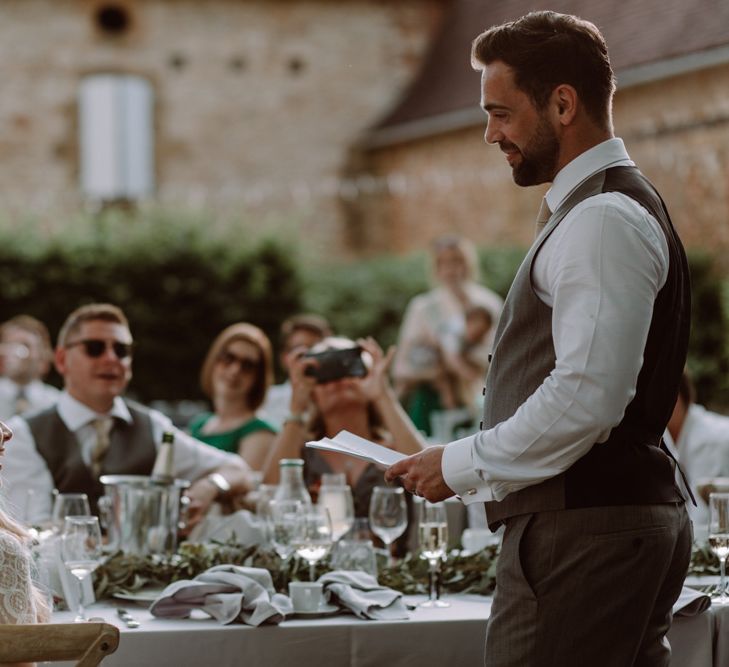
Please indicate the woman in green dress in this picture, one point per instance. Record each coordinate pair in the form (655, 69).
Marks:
(237, 371)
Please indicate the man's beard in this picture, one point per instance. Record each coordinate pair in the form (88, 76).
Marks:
(539, 156)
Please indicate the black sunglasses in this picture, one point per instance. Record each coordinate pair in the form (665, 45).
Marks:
(94, 347)
(245, 364)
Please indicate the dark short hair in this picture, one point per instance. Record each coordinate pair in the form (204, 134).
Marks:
(314, 324)
(546, 49)
(105, 312)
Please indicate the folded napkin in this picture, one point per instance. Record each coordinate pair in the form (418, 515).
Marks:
(228, 593)
(242, 526)
(362, 595)
(691, 602)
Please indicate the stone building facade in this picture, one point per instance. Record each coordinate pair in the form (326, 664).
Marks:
(433, 172)
(253, 104)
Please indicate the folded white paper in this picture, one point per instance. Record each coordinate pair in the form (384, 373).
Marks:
(349, 443)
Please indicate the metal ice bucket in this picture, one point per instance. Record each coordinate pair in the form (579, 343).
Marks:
(141, 516)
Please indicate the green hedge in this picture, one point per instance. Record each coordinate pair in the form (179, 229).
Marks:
(182, 278)
(179, 282)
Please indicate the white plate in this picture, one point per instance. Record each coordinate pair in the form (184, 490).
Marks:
(324, 610)
(145, 595)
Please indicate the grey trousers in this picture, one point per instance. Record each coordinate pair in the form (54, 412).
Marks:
(589, 587)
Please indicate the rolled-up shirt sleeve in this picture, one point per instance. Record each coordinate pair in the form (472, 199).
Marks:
(600, 271)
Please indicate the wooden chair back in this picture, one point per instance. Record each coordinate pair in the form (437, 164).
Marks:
(88, 643)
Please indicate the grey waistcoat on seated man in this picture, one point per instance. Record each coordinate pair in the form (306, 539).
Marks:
(132, 451)
(629, 468)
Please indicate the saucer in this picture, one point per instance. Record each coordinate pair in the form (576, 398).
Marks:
(323, 611)
(142, 596)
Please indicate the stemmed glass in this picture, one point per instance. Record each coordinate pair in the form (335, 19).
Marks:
(282, 517)
(68, 504)
(337, 499)
(81, 551)
(313, 536)
(433, 533)
(719, 538)
(388, 515)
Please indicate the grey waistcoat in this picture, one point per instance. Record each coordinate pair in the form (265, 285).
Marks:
(629, 468)
(132, 451)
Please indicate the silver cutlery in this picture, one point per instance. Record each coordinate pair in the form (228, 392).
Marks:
(127, 618)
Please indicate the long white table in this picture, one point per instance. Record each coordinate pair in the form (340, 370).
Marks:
(431, 637)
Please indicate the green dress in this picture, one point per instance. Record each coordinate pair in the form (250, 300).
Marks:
(228, 441)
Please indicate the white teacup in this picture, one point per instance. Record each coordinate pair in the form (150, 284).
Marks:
(306, 596)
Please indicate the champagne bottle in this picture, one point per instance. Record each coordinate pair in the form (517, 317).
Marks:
(164, 465)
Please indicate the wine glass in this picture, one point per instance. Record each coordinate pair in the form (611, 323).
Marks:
(433, 534)
(719, 538)
(338, 500)
(81, 551)
(313, 536)
(68, 504)
(388, 514)
(282, 517)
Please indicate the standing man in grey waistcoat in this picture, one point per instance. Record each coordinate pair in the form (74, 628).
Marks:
(585, 371)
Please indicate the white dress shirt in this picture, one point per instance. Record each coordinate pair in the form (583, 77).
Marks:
(702, 451)
(38, 395)
(600, 271)
(27, 483)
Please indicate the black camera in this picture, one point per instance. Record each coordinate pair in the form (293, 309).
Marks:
(336, 364)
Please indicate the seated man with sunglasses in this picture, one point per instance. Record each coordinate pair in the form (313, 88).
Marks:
(93, 431)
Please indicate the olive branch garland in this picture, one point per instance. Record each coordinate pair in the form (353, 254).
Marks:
(460, 573)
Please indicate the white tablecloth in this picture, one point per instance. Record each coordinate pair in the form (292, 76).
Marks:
(431, 637)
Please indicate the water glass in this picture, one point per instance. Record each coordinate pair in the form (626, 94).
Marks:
(282, 517)
(433, 535)
(81, 551)
(719, 538)
(388, 514)
(68, 504)
(339, 502)
(313, 536)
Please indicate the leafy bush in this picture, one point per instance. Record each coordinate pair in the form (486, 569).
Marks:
(179, 281)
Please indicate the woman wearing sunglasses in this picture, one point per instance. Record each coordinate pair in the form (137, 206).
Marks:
(237, 371)
(20, 600)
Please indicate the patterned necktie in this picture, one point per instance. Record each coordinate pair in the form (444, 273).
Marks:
(542, 218)
(21, 401)
(102, 425)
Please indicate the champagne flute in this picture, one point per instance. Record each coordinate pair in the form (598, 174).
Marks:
(433, 533)
(313, 536)
(282, 517)
(81, 551)
(388, 514)
(719, 538)
(338, 500)
(68, 504)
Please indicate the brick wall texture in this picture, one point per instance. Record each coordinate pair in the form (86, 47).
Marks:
(256, 102)
(676, 130)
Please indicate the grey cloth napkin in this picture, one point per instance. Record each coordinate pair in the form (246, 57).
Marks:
(228, 593)
(691, 602)
(362, 595)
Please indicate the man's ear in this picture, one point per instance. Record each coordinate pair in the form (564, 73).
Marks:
(564, 102)
(59, 360)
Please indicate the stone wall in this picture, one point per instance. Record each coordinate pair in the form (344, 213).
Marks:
(676, 130)
(256, 101)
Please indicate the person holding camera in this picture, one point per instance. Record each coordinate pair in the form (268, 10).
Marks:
(340, 385)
